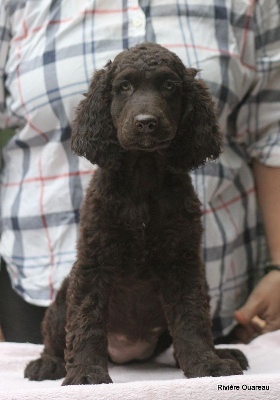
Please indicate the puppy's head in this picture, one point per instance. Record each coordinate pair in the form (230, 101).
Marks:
(146, 100)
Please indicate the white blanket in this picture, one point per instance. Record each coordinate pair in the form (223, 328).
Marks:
(157, 380)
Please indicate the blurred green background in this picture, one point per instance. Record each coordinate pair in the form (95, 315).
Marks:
(5, 135)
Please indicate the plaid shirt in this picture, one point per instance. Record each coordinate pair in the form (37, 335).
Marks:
(48, 52)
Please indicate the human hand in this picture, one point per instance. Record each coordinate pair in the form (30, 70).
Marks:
(261, 312)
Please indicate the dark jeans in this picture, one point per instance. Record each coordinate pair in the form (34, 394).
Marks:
(19, 320)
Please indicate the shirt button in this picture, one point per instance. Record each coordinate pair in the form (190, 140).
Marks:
(137, 22)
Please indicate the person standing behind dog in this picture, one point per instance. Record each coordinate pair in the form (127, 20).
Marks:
(48, 52)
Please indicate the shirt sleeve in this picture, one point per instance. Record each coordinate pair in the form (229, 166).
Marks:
(5, 36)
(259, 117)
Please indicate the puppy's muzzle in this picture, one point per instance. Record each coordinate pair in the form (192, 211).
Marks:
(146, 128)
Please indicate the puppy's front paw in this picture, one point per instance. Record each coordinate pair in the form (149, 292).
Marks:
(213, 366)
(92, 376)
(233, 354)
(224, 368)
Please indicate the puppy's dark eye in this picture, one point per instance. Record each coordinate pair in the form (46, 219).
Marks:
(169, 85)
(125, 87)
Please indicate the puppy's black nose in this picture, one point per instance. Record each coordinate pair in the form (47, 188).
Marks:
(145, 123)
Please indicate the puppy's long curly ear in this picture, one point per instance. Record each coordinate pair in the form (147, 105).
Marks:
(93, 134)
(198, 137)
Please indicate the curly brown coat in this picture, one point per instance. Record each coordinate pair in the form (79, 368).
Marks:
(138, 283)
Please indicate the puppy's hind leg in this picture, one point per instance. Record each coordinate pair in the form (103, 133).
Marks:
(51, 364)
(46, 367)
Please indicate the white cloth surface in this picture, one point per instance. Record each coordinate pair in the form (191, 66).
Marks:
(157, 380)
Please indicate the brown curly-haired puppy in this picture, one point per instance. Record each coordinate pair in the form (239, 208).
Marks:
(138, 283)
